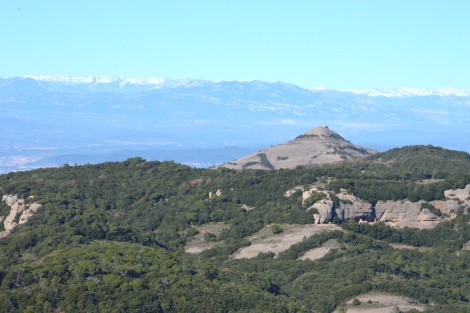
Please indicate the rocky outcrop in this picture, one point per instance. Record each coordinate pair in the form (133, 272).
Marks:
(457, 200)
(344, 195)
(426, 216)
(351, 207)
(388, 211)
(18, 207)
(446, 207)
(358, 210)
(400, 211)
(395, 213)
(289, 193)
(33, 207)
(460, 194)
(218, 193)
(325, 211)
(15, 208)
(10, 199)
(385, 211)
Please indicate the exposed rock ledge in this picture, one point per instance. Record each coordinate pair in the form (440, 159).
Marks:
(17, 207)
(395, 213)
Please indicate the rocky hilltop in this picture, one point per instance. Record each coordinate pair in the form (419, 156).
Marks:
(319, 145)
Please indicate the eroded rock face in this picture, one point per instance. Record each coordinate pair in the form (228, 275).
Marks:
(446, 207)
(460, 194)
(357, 210)
(458, 199)
(29, 212)
(325, 211)
(395, 211)
(17, 207)
(316, 218)
(10, 199)
(344, 195)
(426, 216)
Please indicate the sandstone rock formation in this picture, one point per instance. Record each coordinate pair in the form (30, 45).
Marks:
(319, 145)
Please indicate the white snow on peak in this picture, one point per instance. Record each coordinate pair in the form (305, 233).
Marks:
(153, 82)
(411, 92)
(156, 82)
(318, 88)
(63, 79)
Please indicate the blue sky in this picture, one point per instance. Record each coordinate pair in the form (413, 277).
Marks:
(337, 44)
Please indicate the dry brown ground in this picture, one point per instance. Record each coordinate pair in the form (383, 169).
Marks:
(414, 224)
(318, 253)
(466, 246)
(402, 246)
(197, 244)
(265, 241)
(381, 303)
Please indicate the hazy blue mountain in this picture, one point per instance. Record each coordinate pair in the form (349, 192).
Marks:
(48, 121)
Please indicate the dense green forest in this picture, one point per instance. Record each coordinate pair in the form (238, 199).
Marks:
(110, 238)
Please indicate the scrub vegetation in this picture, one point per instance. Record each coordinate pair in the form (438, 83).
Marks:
(111, 237)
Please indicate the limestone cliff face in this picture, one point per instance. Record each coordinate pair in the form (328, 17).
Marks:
(319, 145)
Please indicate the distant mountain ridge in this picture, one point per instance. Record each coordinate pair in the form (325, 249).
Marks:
(156, 82)
(319, 145)
(44, 118)
(412, 92)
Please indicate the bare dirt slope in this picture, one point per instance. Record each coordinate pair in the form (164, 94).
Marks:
(320, 252)
(265, 241)
(319, 145)
(382, 303)
(466, 246)
(409, 247)
(198, 244)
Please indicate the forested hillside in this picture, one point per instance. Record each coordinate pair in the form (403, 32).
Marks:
(111, 238)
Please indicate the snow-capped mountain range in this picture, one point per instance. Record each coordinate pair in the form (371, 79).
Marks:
(153, 82)
(412, 92)
(121, 81)
(52, 120)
